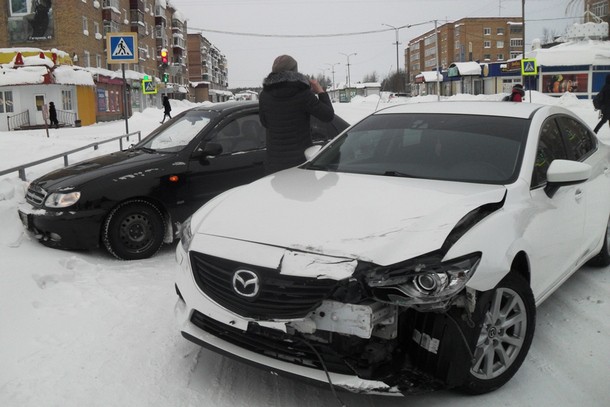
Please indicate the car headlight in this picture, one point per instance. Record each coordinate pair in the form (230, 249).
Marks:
(422, 281)
(61, 199)
(186, 234)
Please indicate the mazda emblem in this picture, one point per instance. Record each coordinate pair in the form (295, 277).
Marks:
(246, 283)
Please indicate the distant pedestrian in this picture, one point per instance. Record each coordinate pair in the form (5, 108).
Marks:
(517, 93)
(53, 115)
(167, 108)
(604, 104)
(286, 103)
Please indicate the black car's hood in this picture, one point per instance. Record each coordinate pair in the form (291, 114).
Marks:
(119, 165)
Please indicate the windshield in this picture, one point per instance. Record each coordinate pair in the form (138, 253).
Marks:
(468, 148)
(179, 133)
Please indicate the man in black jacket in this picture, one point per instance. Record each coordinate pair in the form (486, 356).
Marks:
(605, 104)
(286, 103)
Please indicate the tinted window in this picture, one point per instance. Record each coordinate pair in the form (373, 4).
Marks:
(580, 141)
(240, 134)
(550, 147)
(467, 148)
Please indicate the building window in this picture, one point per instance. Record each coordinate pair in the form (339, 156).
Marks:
(486, 44)
(500, 31)
(516, 29)
(487, 57)
(486, 31)
(600, 8)
(85, 26)
(499, 44)
(514, 54)
(500, 57)
(66, 99)
(516, 42)
(86, 59)
(6, 102)
(98, 61)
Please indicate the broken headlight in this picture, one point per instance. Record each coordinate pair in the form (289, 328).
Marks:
(422, 281)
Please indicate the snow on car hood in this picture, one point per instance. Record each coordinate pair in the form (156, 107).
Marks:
(372, 218)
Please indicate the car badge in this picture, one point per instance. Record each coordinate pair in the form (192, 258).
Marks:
(246, 283)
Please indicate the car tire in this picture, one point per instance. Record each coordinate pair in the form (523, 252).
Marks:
(508, 318)
(603, 257)
(134, 230)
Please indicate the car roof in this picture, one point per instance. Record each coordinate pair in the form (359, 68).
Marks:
(521, 110)
(227, 107)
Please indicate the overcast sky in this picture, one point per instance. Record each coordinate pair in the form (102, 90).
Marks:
(250, 56)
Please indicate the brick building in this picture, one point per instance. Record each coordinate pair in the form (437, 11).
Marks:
(207, 69)
(485, 39)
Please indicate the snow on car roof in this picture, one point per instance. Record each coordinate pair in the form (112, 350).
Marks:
(486, 108)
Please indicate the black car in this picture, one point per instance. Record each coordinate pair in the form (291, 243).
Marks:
(132, 201)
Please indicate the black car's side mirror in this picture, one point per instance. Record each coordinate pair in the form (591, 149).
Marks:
(208, 150)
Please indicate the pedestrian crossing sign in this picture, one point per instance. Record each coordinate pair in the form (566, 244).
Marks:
(148, 87)
(122, 48)
(529, 67)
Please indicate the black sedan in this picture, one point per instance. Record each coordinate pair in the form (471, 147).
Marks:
(133, 201)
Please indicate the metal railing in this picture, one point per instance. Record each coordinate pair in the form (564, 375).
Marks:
(18, 120)
(21, 168)
(66, 117)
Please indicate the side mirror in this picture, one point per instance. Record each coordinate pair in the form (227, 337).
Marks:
(565, 172)
(208, 150)
(311, 152)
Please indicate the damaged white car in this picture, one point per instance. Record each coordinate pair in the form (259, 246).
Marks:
(407, 255)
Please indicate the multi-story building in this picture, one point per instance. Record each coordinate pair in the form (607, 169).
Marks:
(601, 8)
(79, 28)
(207, 69)
(485, 39)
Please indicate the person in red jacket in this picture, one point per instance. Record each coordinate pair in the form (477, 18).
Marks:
(286, 103)
(517, 93)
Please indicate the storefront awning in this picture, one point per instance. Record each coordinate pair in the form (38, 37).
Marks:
(428, 76)
(470, 68)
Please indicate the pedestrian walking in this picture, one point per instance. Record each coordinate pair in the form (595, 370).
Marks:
(603, 104)
(516, 94)
(286, 104)
(53, 115)
(167, 108)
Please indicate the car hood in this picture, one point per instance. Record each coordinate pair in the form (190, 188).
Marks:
(371, 218)
(119, 164)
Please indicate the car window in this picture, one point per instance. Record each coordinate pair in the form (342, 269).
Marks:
(580, 141)
(483, 149)
(178, 134)
(550, 147)
(322, 132)
(240, 134)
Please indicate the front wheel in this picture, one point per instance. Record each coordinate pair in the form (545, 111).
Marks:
(134, 230)
(507, 329)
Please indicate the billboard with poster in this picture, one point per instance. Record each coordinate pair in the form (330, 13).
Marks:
(565, 82)
(30, 20)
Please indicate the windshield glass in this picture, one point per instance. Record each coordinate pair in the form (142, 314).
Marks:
(179, 132)
(482, 149)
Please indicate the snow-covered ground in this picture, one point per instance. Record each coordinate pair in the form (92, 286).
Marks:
(84, 329)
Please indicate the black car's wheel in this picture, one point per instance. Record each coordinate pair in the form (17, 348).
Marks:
(508, 321)
(134, 230)
(603, 258)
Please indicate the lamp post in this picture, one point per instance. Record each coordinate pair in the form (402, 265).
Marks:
(349, 80)
(332, 70)
(397, 84)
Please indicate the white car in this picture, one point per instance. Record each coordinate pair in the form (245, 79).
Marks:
(407, 255)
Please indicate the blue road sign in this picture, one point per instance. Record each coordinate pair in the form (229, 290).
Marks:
(122, 48)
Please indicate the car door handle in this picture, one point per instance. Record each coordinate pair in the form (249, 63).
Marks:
(578, 194)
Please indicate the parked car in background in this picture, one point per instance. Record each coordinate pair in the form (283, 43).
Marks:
(409, 254)
(133, 201)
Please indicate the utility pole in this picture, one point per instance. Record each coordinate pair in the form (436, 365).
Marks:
(438, 66)
(397, 80)
(349, 80)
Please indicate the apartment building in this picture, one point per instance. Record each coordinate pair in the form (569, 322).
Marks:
(485, 39)
(78, 27)
(208, 71)
(601, 8)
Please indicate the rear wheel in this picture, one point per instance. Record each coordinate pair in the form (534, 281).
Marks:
(507, 329)
(134, 230)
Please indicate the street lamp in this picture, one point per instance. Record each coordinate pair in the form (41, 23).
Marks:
(332, 70)
(397, 66)
(349, 80)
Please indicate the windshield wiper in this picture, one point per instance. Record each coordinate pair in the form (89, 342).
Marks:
(147, 150)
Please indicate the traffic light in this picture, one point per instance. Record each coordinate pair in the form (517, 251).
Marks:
(164, 56)
(165, 77)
